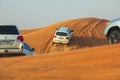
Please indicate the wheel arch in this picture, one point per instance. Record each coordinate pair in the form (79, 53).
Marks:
(112, 29)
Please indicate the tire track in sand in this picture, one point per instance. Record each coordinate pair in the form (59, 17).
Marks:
(85, 35)
(80, 31)
(46, 48)
(88, 36)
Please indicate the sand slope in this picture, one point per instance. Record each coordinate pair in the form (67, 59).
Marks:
(98, 63)
(88, 57)
(88, 32)
(27, 31)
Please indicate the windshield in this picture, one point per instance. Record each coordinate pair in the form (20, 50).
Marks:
(61, 34)
(8, 30)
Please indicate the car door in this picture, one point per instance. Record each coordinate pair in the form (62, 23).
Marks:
(27, 50)
(70, 34)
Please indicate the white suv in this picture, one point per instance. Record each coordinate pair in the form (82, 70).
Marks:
(112, 31)
(10, 39)
(62, 35)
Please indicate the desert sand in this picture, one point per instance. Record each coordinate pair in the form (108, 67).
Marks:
(88, 57)
(88, 32)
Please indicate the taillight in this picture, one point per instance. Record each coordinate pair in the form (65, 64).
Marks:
(54, 36)
(67, 37)
(20, 38)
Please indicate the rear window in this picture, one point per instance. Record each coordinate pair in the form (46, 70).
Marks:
(61, 34)
(8, 29)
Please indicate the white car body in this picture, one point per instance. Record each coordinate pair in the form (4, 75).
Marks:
(8, 47)
(62, 35)
(112, 31)
(113, 23)
(17, 47)
(10, 39)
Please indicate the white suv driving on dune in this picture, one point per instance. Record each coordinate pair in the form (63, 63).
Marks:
(10, 39)
(112, 31)
(62, 35)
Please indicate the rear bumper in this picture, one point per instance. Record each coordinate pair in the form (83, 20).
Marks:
(11, 51)
(61, 41)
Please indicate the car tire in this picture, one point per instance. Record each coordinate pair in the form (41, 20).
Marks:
(114, 37)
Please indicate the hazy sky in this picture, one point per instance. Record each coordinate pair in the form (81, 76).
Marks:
(40, 13)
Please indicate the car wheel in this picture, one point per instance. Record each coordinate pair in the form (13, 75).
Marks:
(114, 37)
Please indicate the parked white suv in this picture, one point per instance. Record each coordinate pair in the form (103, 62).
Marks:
(10, 40)
(62, 35)
(112, 31)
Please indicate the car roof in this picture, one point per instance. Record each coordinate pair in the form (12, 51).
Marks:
(63, 29)
(8, 24)
(2, 25)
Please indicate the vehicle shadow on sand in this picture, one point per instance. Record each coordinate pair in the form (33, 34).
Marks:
(10, 55)
(83, 42)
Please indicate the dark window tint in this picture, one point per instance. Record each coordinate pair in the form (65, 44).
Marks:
(61, 34)
(8, 30)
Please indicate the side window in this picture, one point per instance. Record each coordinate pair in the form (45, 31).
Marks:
(27, 46)
(69, 32)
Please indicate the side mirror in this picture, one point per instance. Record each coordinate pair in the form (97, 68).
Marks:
(72, 30)
(33, 49)
(57, 28)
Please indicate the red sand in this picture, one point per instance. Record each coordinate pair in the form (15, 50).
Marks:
(88, 57)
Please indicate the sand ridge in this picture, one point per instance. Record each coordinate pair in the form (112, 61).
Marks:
(88, 32)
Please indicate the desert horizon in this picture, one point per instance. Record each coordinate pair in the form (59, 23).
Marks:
(87, 57)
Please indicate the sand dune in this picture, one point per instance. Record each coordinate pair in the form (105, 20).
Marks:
(88, 57)
(88, 32)
(27, 31)
(98, 63)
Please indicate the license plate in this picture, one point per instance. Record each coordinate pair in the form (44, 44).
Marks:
(6, 42)
(60, 42)
(61, 38)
